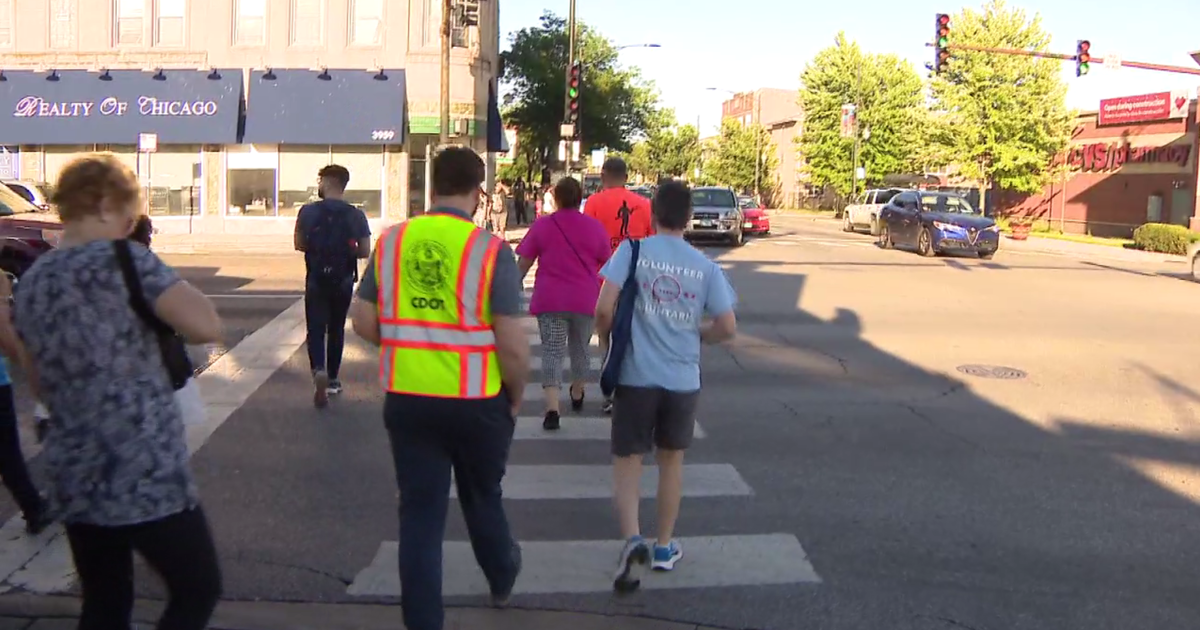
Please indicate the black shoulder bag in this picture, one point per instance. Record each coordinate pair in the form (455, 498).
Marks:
(170, 344)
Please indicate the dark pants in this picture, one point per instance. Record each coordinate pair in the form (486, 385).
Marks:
(12, 462)
(178, 547)
(325, 309)
(429, 438)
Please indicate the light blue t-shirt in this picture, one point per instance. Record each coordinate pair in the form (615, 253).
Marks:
(677, 287)
(5, 379)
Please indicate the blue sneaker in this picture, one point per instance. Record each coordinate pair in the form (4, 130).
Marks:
(666, 557)
(632, 565)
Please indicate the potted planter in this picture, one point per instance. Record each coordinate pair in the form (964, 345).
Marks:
(1020, 230)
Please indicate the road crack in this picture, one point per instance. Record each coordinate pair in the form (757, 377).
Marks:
(947, 620)
(933, 424)
(296, 567)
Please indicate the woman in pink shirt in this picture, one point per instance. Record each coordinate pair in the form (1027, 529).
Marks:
(571, 248)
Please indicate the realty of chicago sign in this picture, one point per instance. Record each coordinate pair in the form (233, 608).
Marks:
(38, 107)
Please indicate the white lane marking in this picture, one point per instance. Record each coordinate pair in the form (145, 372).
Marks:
(43, 565)
(591, 391)
(543, 482)
(586, 566)
(575, 428)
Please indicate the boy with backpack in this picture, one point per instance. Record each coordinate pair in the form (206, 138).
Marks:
(333, 235)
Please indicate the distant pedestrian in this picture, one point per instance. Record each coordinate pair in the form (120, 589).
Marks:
(548, 206)
(499, 210)
(454, 363)
(333, 235)
(519, 198)
(570, 249)
(659, 384)
(13, 470)
(115, 450)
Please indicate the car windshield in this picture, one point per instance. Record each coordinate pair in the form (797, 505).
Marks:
(645, 192)
(746, 202)
(946, 203)
(12, 203)
(713, 199)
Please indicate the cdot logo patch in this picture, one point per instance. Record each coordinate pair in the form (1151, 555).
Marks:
(433, 304)
(426, 268)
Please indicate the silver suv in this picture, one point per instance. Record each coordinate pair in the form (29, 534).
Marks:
(716, 215)
(864, 212)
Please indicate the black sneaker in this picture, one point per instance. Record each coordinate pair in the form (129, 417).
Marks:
(335, 387)
(320, 389)
(36, 522)
(552, 421)
(632, 565)
(500, 597)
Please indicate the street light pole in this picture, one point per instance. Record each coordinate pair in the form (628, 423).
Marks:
(854, 130)
(444, 133)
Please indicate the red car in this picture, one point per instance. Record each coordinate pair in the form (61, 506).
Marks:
(757, 221)
(26, 232)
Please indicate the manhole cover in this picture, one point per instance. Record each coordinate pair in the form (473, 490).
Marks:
(992, 371)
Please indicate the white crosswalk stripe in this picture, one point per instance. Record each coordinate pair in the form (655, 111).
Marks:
(586, 566)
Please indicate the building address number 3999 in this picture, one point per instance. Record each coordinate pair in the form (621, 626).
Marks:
(383, 134)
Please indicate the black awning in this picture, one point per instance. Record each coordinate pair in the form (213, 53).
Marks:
(331, 107)
(114, 107)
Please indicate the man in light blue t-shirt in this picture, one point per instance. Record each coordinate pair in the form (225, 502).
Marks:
(659, 386)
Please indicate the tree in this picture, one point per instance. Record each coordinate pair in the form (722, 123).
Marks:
(733, 161)
(669, 152)
(887, 91)
(1002, 118)
(616, 105)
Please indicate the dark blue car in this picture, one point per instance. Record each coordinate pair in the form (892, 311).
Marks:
(935, 223)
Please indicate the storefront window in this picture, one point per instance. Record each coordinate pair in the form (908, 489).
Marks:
(416, 174)
(172, 177)
(365, 164)
(251, 180)
(55, 158)
(298, 167)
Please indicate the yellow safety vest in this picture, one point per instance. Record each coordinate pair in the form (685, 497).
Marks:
(435, 318)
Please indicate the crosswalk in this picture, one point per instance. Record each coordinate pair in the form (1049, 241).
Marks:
(585, 565)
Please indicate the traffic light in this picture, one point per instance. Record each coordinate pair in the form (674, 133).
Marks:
(574, 85)
(1083, 57)
(941, 43)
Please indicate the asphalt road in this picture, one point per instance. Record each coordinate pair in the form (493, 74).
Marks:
(857, 419)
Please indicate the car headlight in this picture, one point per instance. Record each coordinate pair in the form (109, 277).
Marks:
(949, 227)
(52, 237)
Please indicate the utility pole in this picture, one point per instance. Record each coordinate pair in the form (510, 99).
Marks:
(444, 134)
(854, 130)
(568, 141)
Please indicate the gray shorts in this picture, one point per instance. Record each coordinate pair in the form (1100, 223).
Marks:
(647, 417)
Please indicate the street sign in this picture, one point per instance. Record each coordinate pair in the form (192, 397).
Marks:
(1112, 62)
(848, 120)
(861, 173)
(598, 158)
(147, 142)
(567, 131)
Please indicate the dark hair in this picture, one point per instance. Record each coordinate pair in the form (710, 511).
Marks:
(142, 230)
(615, 167)
(456, 171)
(336, 173)
(672, 205)
(568, 193)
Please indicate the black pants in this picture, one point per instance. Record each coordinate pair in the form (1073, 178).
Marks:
(179, 547)
(429, 437)
(12, 462)
(325, 309)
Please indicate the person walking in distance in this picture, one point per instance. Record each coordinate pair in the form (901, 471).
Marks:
(333, 235)
(572, 248)
(623, 213)
(659, 383)
(442, 299)
(116, 451)
(519, 197)
(499, 211)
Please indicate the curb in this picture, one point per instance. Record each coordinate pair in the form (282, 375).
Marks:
(259, 615)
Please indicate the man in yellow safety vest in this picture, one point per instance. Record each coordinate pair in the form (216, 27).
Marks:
(442, 299)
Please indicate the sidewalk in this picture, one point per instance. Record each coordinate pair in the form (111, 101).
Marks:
(254, 244)
(1073, 248)
(30, 612)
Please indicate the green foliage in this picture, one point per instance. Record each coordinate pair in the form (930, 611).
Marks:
(1000, 118)
(1164, 237)
(616, 105)
(668, 152)
(732, 163)
(889, 103)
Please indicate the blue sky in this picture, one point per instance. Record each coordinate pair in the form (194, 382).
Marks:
(746, 44)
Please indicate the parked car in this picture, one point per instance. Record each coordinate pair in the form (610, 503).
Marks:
(37, 193)
(936, 223)
(757, 221)
(26, 232)
(1193, 255)
(716, 216)
(864, 212)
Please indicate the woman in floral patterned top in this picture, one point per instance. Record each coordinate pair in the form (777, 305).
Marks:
(115, 449)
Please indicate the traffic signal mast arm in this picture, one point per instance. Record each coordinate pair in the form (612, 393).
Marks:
(1048, 55)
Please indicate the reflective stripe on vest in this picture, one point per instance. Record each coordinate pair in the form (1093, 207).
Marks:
(444, 347)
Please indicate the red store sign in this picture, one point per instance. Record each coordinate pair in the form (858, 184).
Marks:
(1102, 157)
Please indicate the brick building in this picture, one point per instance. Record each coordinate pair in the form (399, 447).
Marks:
(1134, 161)
(779, 111)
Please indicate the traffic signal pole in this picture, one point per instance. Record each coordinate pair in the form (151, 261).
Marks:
(1140, 65)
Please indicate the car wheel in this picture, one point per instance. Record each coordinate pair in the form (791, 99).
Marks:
(874, 225)
(847, 226)
(989, 255)
(925, 243)
(740, 239)
(1196, 267)
(885, 236)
